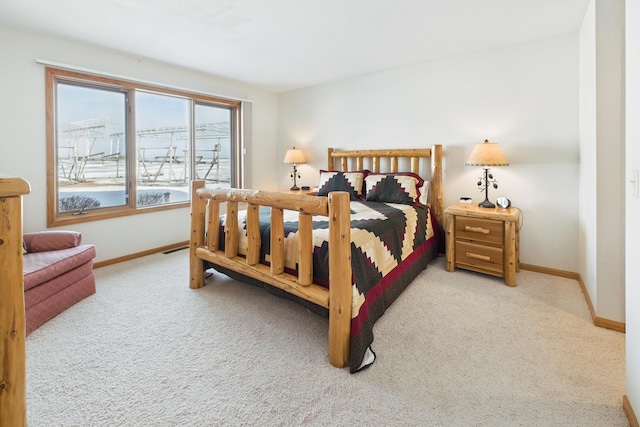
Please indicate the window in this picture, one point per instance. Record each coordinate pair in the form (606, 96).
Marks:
(118, 148)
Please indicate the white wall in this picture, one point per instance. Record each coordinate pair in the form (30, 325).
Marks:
(588, 162)
(632, 203)
(22, 136)
(601, 233)
(610, 154)
(523, 97)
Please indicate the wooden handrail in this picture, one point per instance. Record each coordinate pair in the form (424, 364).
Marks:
(13, 396)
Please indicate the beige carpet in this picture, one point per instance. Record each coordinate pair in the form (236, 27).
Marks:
(456, 349)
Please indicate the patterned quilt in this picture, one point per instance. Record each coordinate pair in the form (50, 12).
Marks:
(390, 245)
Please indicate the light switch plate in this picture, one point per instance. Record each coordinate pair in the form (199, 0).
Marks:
(635, 176)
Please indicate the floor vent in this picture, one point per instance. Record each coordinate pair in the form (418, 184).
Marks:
(170, 251)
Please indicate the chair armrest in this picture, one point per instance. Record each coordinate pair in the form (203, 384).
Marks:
(43, 241)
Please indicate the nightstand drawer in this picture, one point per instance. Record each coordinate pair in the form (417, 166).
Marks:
(484, 257)
(480, 230)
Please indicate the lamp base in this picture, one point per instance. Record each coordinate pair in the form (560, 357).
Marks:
(294, 188)
(486, 204)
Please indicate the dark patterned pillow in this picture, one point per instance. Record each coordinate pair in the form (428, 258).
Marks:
(404, 188)
(350, 182)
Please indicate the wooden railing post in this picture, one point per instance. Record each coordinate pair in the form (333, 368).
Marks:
(198, 209)
(305, 249)
(277, 241)
(340, 293)
(231, 230)
(437, 201)
(13, 395)
(254, 240)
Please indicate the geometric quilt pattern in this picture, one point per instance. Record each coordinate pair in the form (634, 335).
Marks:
(393, 188)
(350, 182)
(383, 237)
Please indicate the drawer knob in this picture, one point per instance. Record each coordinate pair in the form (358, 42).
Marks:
(477, 229)
(478, 256)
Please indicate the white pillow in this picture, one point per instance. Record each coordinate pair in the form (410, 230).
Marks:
(424, 193)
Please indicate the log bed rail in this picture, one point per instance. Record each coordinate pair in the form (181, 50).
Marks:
(205, 218)
(205, 222)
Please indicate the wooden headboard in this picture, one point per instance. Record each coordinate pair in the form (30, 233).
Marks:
(374, 160)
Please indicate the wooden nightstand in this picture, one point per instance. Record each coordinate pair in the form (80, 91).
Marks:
(486, 240)
(309, 192)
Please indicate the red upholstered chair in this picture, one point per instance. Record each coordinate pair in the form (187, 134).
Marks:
(58, 272)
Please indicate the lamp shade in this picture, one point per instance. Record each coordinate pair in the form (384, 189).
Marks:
(294, 156)
(487, 154)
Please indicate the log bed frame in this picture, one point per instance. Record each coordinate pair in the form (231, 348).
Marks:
(205, 221)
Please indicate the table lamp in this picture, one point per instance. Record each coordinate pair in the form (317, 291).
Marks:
(487, 154)
(294, 157)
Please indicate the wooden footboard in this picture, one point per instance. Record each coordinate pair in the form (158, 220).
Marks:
(205, 217)
(205, 226)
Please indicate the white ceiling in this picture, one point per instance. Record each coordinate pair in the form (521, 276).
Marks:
(285, 44)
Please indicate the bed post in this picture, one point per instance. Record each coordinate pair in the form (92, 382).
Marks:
(13, 394)
(340, 293)
(198, 209)
(436, 182)
(329, 159)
